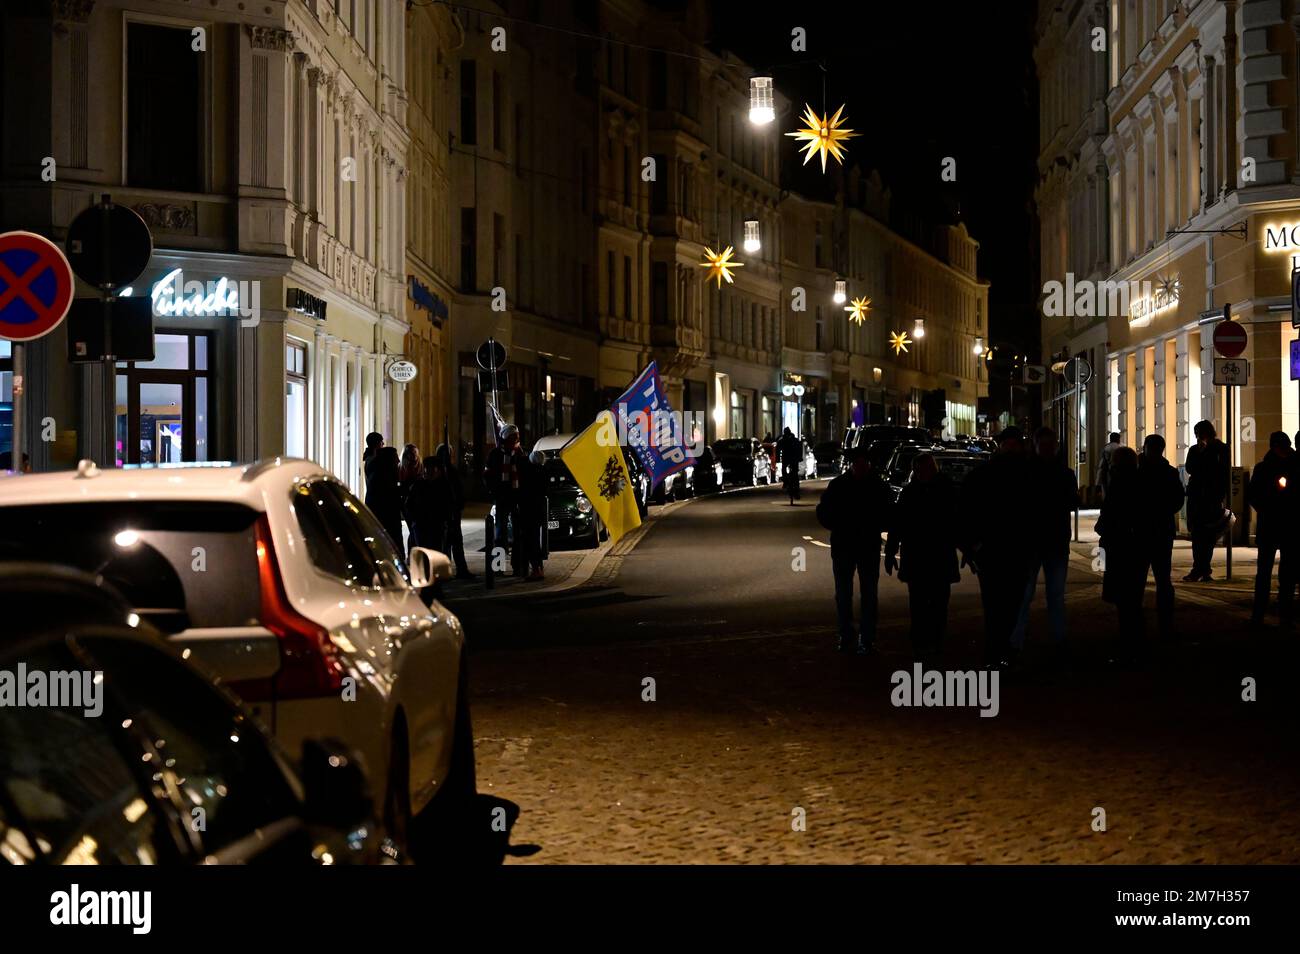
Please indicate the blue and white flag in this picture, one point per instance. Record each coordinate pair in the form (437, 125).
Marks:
(648, 426)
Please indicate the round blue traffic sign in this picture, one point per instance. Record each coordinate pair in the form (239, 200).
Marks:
(35, 286)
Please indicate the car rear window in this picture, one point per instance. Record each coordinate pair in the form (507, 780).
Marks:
(179, 564)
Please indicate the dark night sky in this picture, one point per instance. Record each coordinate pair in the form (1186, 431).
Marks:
(923, 80)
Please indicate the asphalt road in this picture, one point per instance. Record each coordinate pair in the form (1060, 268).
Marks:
(757, 729)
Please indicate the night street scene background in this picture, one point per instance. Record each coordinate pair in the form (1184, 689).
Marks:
(652, 432)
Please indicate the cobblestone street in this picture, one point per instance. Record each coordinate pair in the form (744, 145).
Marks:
(751, 725)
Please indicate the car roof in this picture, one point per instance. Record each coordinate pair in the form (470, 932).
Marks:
(236, 483)
(551, 442)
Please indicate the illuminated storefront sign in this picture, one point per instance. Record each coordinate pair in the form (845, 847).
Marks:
(1165, 296)
(1282, 238)
(174, 297)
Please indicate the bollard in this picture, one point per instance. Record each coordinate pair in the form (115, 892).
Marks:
(489, 545)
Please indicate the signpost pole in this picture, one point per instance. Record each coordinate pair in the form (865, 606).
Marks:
(1228, 427)
(19, 402)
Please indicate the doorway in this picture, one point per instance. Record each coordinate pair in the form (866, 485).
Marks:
(162, 405)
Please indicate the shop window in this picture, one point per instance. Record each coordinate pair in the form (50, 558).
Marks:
(295, 398)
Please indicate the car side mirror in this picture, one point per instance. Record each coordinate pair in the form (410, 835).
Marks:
(335, 789)
(428, 565)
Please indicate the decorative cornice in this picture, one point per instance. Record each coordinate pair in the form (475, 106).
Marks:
(71, 11)
(270, 38)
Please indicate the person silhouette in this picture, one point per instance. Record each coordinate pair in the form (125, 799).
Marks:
(924, 527)
(854, 507)
(1160, 497)
(1272, 492)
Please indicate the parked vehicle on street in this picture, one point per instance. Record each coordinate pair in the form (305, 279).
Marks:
(122, 781)
(551, 444)
(571, 520)
(880, 440)
(277, 580)
(744, 461)
(899, 468)
(709, 475)
(826, 455)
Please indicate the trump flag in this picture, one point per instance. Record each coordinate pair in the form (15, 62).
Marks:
(647, 424)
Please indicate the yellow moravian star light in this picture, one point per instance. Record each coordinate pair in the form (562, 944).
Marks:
(858, 309)
(720, 265)
(822, 135)
(898, 340)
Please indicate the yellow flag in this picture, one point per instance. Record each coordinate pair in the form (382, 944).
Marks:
(599, 469)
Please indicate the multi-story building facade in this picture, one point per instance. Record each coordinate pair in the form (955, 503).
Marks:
(265, 146)
(1194, 117)
(433, 35)
(850, 373)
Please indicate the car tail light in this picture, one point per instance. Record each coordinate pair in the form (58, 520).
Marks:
(310, 664)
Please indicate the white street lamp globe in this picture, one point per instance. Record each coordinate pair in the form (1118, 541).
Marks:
(841, 292)
(752, 241)
(761, 108)
(919, 331)
(979, 346)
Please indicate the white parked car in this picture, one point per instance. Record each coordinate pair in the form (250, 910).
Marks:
(281, 583)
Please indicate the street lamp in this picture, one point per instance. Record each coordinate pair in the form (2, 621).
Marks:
(761, 107)
(979, 346)
(752, 242)
(841, 291)
(919, 331)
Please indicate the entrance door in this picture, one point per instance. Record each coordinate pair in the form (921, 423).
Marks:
(162, 405)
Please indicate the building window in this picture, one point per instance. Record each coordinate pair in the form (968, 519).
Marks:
(519, 268)
(499, 249)
(469, 249)
(468, 103)
(739, 415)
(497, 106)
(164, 109)
(659, 293)
(519, 140)
(627, 287)
(295, 398)
(610, 284)
(821, 331)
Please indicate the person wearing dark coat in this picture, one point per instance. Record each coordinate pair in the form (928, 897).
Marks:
(503, 474)
(1120, 529)
(374, 441)
(408, 471)
(1160, 497)
(1207, 488)
(532, 514)
(455, 538)
(854, 507)
(1054, 495)
(1272, 492)
(996, 542)
(924, 528)
(429, 505)
(789, 450)
(383, 496)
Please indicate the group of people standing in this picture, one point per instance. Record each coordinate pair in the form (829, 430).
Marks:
(517, 485)
(1010, 520)
(424, 492)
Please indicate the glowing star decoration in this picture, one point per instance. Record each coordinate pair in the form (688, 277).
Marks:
(720, 265)
(822, 135)
(858, 309)
(898, 340)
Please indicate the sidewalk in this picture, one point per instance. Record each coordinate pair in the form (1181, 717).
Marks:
(565, 569)
(1239, 591)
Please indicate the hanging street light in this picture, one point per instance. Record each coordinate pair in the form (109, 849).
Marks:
(752, 241)
(761, 108)
(841, 291)
(919, 331)
(979, 346)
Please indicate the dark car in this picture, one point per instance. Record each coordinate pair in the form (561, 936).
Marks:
(899, 466)
(744, 461)
(709, 475)
(678, 486)
(827, 455)
(571, 520)
(881, 440)
(953, 464)
(158, 765)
